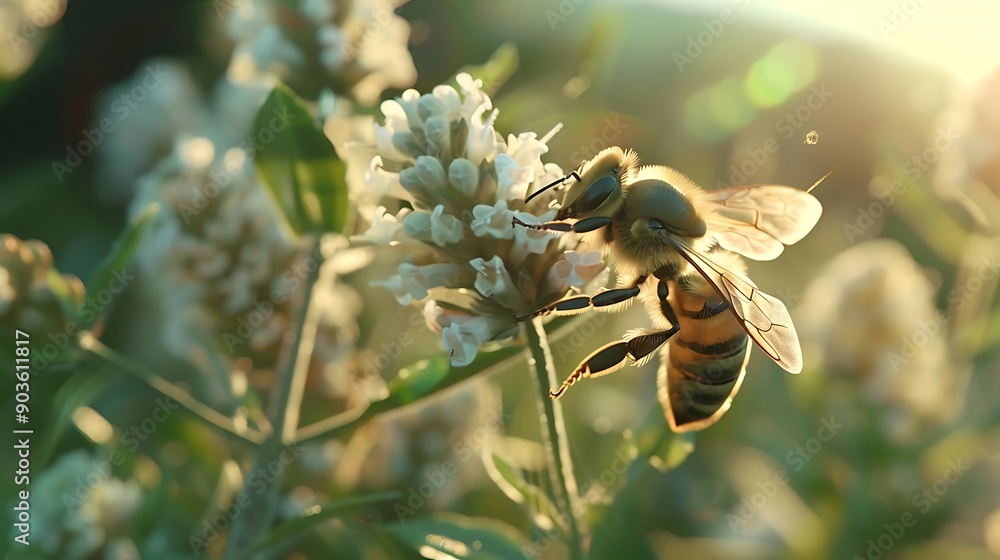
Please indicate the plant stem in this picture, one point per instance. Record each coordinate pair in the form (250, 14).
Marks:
(257, 519)
(211, 416)
(554, 440)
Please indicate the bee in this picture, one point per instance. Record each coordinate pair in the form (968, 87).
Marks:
(683, 244)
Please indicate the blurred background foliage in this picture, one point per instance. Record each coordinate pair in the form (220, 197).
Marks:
(893, 294)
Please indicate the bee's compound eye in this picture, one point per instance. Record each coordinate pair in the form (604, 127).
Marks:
(596, 193)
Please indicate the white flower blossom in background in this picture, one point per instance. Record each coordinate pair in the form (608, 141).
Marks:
(357, 48)
(870, 314)
(219, 251)
(75, 513)
(439, 152)
(231, 273)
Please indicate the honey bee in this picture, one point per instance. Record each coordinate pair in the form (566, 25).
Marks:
(661, 228)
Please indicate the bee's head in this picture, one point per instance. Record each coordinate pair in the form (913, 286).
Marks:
(664, 200)
(600, 183)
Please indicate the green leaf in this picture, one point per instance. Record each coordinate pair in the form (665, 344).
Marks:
(496, 71)
(81, 389)
(461, 537)
(291, 531)
(299, 164)
(121, 254)
(419, 379)
(506, 465)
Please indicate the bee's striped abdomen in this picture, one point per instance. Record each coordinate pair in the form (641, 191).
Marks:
(703, 364)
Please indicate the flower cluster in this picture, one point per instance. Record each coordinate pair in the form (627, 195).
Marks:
(227, 269)
(356, 49)
(870, 314)
(34, 298)
(231, 273)
(77, 511)
(463, 184)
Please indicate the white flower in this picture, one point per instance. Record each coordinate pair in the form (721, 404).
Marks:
(577, 269)
(463, 339)
(482, 140)
(425, 179)
(512, 179)
(385, 227)
(412, 282)
(464, 176)
(461, 176)
(380, 182)
(492, 279)
(530, 240)
(494, 221)
(434, 226)
(473, 93)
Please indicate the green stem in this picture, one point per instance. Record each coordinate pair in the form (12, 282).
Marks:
(211, 416)
(256, 520)
(554, 440)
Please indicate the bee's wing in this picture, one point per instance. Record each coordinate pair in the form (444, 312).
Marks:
(756, 221)
(763, 317)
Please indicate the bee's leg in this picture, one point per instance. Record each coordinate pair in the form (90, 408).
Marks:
(580, 226)
(579, 304)
(612, 357)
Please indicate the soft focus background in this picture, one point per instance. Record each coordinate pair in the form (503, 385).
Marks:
(885, 446)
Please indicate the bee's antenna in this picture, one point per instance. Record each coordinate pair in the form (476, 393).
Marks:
(821, 179)
(572, 174)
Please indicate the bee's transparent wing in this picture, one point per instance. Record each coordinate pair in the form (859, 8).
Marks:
(763, 317)
(756, 221)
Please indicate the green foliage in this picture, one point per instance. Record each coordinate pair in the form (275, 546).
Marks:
(300, 166)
